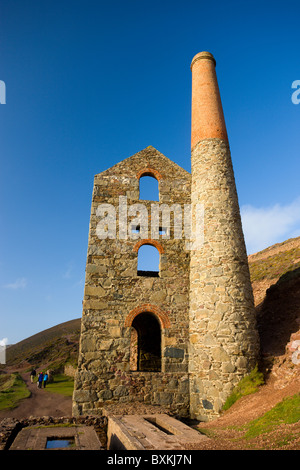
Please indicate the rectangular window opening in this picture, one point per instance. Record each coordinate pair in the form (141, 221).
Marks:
(136, 229)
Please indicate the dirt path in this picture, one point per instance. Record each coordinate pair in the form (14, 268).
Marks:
(40, 403)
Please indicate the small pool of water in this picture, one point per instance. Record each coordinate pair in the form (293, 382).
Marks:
(56, 443)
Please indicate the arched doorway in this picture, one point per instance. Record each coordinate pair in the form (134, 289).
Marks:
(146, 343)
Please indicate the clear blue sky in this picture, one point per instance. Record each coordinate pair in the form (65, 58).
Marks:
(89, 83)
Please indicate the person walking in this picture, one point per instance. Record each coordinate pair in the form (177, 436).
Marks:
(40, 379)
(45, 380)
(32, 375)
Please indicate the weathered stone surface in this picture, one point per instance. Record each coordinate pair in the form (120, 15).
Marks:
(174, 352)
(82, 437)
(82, 396)
(114, 291)
(10, 429)
(153, 432)
(220, 287)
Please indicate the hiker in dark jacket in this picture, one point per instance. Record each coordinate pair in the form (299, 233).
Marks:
(40, 379)
(32, 375)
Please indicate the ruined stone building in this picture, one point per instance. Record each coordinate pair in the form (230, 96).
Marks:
(184, 335)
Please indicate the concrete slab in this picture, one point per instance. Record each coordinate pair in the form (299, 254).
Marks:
(149, 432)
(35, 438)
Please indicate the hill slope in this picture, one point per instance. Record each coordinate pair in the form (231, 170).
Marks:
(267, 266)
(52, 347)
(275, 277)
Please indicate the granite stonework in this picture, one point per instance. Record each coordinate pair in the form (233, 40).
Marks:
(117, 297)
(182, 337)
(223, 337)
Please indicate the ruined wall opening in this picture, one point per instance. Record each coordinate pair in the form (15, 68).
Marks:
(149, 188)
(148, 261)
(145, 353)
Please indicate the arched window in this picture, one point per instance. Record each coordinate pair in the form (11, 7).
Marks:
(149, 188)
(145, 353)
(148, 261)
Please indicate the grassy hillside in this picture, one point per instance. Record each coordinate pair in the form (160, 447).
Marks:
(275, 261)
(54, 347)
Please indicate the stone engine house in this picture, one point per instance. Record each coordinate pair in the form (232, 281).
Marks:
(184, 335)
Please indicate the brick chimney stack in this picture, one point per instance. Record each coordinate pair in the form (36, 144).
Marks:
(223, 337)
(207, 112)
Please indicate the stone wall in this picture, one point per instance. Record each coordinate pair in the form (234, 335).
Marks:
(223, 337)
(115, 295)
(70, 370)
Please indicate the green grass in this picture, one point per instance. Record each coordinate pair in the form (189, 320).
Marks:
(6, 382)
(275, 266)
(62, 384)
(12, 390)
(285, 412)
(246, 386)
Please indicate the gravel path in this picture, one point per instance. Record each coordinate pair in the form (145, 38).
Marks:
(40, 403)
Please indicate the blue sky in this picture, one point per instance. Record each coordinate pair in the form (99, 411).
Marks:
(89, 83)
